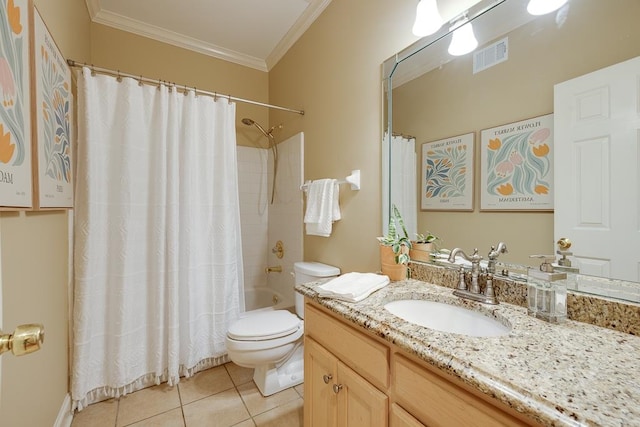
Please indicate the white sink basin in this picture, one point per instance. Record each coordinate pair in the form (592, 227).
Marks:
(447, 318)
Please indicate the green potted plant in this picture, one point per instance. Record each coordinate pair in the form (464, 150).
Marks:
(423, 246)
(394, 248)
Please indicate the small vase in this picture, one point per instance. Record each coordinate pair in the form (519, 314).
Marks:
(421, 251)
(388, 264)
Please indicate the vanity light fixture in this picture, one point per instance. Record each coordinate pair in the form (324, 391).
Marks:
(542, 7)
(428, 19)
(463, 40)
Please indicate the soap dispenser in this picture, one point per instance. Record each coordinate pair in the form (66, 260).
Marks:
(547, 291)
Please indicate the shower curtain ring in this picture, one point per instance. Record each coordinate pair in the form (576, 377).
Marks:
(140, 81)
(229, 98)
(119, 78)
(215, 96)
(93, 71)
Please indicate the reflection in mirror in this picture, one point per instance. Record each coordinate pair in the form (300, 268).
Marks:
(432, 96)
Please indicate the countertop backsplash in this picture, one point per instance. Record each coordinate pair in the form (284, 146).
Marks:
(609, 313)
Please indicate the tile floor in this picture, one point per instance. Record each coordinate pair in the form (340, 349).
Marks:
(223, 396)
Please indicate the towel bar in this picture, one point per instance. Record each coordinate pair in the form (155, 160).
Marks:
(353, 180)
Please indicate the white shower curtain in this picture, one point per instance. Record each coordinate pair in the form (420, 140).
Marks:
(158, 261)
(403, 181)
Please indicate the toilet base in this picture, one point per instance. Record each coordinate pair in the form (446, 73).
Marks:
(272, 378)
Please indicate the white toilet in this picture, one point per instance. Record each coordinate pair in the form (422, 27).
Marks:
(271, 341)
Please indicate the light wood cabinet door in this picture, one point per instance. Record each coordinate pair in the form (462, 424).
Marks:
(401, 418)
(370, 359)
(359, 402)
(320, 374)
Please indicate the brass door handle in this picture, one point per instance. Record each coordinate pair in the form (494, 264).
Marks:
(337, 388)
(564, 243)
(327, 378)
(24, 340)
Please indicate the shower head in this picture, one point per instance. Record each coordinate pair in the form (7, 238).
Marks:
(272, 145)
(250, 122)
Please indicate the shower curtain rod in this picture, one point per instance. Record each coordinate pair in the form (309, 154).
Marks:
(146, 80)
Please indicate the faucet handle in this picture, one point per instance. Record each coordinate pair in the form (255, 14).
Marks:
(462, 285)
(489, 293)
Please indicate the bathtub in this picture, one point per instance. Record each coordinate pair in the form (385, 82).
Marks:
(263, 298)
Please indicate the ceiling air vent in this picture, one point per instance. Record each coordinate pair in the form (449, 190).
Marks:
(491, 55)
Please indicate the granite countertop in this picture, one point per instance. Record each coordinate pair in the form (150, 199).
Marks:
(570, 374)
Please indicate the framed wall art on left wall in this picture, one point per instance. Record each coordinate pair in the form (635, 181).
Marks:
(52, 121)
(16, 186)
(36, 113)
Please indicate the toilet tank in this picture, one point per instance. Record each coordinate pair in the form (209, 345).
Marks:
(305, 271)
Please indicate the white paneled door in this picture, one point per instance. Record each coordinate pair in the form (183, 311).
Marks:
(597, 134)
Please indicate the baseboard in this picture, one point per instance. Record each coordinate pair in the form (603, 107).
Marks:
(65, 416)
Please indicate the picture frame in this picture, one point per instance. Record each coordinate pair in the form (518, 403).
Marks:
(16, 185)
(52, 124)
(516, 166)
(447, 174)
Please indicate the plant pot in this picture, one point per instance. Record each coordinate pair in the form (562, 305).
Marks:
(421, 251)
(388, 264)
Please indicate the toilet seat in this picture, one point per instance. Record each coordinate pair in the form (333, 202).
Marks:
(248, 347)
(264, 326)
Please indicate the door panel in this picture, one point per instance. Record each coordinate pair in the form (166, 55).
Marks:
(597, 135)
(320, 374)
(359, 402)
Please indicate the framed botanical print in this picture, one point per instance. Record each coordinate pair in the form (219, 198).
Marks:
(516, 166)
(447, 174)
(53, 115)
(15, 112)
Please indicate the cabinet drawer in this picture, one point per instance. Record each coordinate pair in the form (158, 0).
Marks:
(435, 401)
(366, 356)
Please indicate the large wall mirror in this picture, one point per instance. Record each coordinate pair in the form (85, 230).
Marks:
(434, 96)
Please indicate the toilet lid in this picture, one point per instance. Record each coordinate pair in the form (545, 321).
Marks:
(264, 326)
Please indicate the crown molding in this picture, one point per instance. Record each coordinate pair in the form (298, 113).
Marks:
(160, 34)
(310, 14)
(114, 20)
(93, 6)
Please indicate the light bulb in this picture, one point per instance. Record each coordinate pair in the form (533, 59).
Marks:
(463, 40)
(428, 19)
(542, 7)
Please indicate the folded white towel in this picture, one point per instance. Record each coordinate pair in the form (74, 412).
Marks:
(322, 207)
(352, 287)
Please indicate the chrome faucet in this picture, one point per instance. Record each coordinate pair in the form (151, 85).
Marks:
(493, 256)
(488, 297)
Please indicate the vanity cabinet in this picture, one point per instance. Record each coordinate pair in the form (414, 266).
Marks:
(353, 379)
(335, 394)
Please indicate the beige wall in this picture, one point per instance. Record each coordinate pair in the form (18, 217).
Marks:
(35, 273)
(452, 101)
(334, 73)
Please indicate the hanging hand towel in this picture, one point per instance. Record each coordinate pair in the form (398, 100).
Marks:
(353, 287)
(322, 207)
